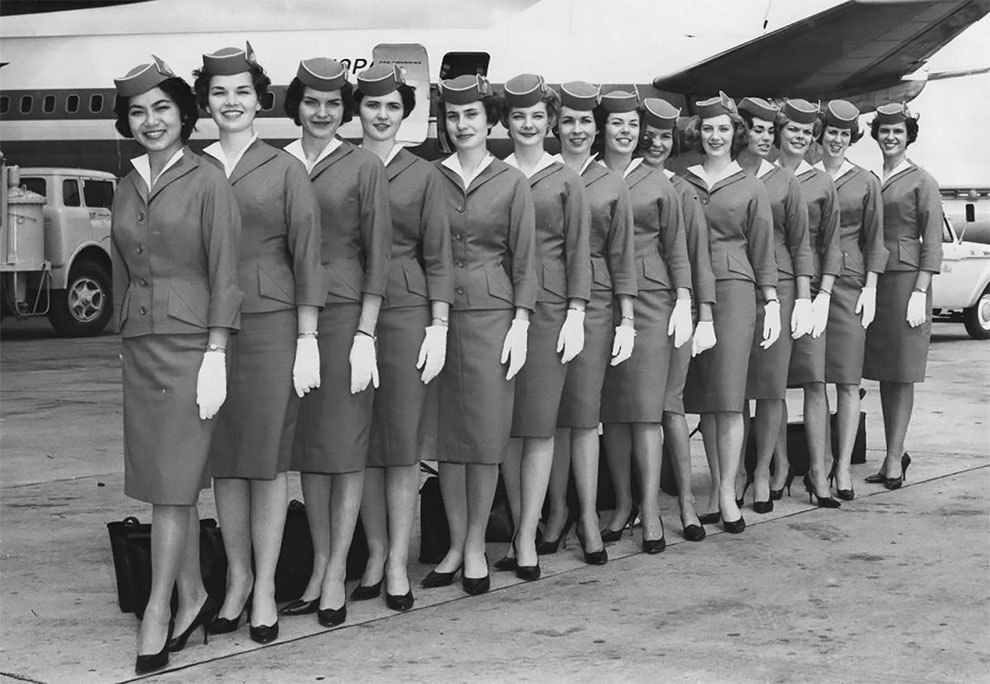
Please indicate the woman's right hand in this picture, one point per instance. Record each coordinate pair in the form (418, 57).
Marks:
(867, 305)
(514, 347)
(211, 383)
(704, 337)
(622, 344)
(306, 369)
(364, 363)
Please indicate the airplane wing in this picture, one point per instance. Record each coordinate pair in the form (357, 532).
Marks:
(14, 7)
(855, 47)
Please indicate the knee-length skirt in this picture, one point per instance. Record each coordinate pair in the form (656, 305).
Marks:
(767, 376)
(846, 339)
(541, 381)
(475, 398)
(717, 377)
(166, 444)
(405, 409)
(334, 426)
(255, 425)
(581, 398)
(680, 360)
(896, 352)
(633, 391)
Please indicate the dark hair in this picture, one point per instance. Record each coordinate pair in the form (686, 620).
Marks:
(601, 116)
(489, 102)
(259, 79)
(675, 145)
(740, 134)
(294, 96)
(555, 129)
(550, 98)
(748, 118)
(855, 132)
(910, 124)
(781, 123)
(406, 92)
(179, 92)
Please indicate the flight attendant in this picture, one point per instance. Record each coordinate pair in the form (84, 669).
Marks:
(412, 335)
(740, 229)
(334, 425)
(490, 210)
(633, 393)
(529, 109)
(795, 132)
(862, 258)
(176, 298)
(897, 342)
(657, 144)
(276, 350)
(767, 378)
(612, 250)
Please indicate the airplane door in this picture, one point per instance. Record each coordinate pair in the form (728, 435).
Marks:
(413, 58)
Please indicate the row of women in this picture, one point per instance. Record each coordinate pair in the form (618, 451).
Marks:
(489, 314)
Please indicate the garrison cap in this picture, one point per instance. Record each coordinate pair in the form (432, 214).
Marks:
(619, 101)
(322, 73)
(464, 89)
(660, 113)
(894, 113)
(230, 60)
(715, 106)
(580, 96)
(524, 90)
(840, 114)
(381, 79)
(760, 108)
(143, 78)
(801, 111)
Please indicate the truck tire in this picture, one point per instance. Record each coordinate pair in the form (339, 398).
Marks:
(84, 308)
(977, 317)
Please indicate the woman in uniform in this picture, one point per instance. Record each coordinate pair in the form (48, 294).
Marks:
(331, 441)
(897, 342)
(176, 299)
(795, 132)
(612, 250)
(740, 229)
(490, 210)
(862, 258)
(282, 280)
(656, 146)
(529, 109)
(633, 393)
(412, 335)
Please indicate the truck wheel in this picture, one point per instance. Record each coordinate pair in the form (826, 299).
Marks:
(977, 317)
(84, 308)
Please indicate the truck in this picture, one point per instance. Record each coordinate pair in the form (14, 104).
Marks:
(961, 291)
(57, 265)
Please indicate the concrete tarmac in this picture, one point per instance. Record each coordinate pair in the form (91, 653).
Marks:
(892, 587)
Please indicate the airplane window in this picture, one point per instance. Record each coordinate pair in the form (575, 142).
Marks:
(35, 185)
(98, 193)
(95, 103)
(72, 104)
(48, 104)
(268, 102)
(27, 102)
(70, 193)
(4, 104)
(456, 64)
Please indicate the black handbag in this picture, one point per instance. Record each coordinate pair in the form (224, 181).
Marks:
(130, 544)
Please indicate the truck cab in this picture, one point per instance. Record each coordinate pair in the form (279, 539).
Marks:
(961, 291)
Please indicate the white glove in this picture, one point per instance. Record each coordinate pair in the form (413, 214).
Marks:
(704, 337)
(571, 338)
(917, 309)
(432, 353)
(867, 305)
(771, 324)
(364, 364)
(622, 344)
(680, 323)
(802, 318)
(211, 384)
(819, 313)
(306, 369)
(514, 347)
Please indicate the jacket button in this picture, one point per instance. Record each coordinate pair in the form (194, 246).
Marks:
(143, 311)
(139, 249)
(140, 216)
(144, 282)
(460, 264)
(458, 236)
(704, 200)
(459, 290)
(460, 210)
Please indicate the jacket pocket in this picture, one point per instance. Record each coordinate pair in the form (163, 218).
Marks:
(739, 265)
(554, 280)
(186, 306)
(654, 273)
(343, 280)
(600, 275)
(499, 286)
(415, 279)
(852, 261)
(274, 286)
(909, 251)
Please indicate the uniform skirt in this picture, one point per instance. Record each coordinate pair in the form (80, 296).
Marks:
(475, 398)
(846, 343)
(256, 423)
(405, 409)
(334, 426)
(633, 391)
(541, 381)
(680, 360)
(166, 444)
(767, 377)
(581, 399)
(896, 352)
(717, 377)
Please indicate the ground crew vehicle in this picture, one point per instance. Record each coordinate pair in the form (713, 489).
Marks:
(961, 292)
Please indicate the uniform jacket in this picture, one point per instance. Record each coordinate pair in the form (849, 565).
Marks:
(791, 229)
(612, 235)
(174, 252)
(696, 233)
(860, 222)
(280, 231)
(823, 221)
(912, 221)
(492, 224)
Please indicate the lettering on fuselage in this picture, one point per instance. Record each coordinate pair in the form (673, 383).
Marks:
(355, 65)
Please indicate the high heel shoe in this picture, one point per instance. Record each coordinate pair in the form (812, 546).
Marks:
(204, 618)
(710, 518)
(881, 477)
(365, 593)
(221, 625)
(778, 494)
(734, 526)
(300, 607)
(762, 507)
(742, 497)
(436, 579)
(592, 557)
(546, 548)
(525, 572)
(654, 546)
(155, 661)
(844, 494)
(331, 617)
(693, 533)
(264, 634)
(477, 585)
(821, 502)
(610, 535)
(400, 603)
(896, 482)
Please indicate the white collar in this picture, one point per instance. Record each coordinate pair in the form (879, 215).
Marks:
(803, 168)
(584, 167)
(142, 165)
(846, 167)
(216, 151)
(454, 164)
(633, 165)
(669, 174)
(544, 161)
(392, 153)
(295, 148)
(900, 168)
(729, 170)
(765, 168)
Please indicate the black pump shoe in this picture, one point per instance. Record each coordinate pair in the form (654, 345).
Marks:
(204, 618)
(365, 593)
(525, 572)
(264, 634)
(734, 526)
(435, 579)
(477, 585)
(762, 507)
(710, 518)
(400, 603)
(693, 533)
(221, 625)
(300, 607)
(155, 661)
(331, 617)
(820, 501)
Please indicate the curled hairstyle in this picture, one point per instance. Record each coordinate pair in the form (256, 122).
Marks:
(259, 79)
(179, 92)
(294, 97)
(601, 116)
(740, 134)
(406, 92)
(855, 132)
(644, 142)
(550, 98)
(489, 102)
(910, 124)
(781, 123)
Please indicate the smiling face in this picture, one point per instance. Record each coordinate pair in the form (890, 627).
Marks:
(528, 125)
(893, 140)
(155, 122)
(576, 130)
(716, 136)
(760, 138)
(233, 102)
(320, 113)
(795, 138)
(835, 142)
(622, 132)
(381, 116)
(467, 124)
(657, 144)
